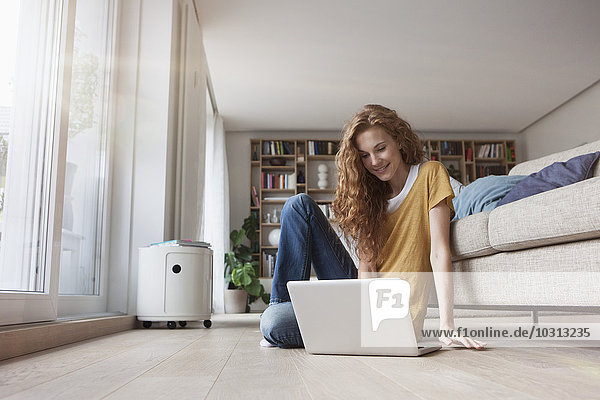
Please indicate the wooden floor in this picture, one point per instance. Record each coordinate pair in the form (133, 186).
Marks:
(227, 362)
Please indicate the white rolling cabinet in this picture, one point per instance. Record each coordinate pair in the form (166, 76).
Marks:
(174, 285)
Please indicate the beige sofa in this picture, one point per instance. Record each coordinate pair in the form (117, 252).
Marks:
(538, 253)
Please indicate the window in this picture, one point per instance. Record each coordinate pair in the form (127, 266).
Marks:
(85, 177)
(53, 153)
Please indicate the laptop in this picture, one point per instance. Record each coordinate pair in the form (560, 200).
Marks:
(356, 317)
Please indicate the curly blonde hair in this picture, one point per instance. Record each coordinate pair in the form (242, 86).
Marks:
(360, 202)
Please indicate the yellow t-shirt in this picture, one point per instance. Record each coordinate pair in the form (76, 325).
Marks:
(406, 252)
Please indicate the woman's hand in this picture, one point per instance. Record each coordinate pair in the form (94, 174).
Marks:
(463, 341)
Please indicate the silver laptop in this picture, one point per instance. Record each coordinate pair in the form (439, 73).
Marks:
(356, 317)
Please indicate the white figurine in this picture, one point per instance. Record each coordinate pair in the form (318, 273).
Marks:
(322, 183)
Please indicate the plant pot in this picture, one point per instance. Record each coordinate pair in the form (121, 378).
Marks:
(235, 301)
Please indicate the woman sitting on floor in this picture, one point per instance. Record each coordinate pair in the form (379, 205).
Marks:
(396, 209)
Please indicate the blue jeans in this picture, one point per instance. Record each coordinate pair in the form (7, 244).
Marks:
(306, 237)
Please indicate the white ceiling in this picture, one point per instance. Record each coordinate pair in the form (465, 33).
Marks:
(460, 65)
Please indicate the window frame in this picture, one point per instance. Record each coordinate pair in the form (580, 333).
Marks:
(23, 307)
(87, 304)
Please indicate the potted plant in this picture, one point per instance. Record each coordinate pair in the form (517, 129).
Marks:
(241, 271)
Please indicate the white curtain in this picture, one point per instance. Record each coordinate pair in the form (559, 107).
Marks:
(29, 142)
(216, 205)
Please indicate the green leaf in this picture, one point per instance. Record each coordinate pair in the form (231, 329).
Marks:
(266, 298)
(237, 276)
(249, 269)
(237, 237)
(244, 253)
(250, 226)
(253, 288)
(243, 276)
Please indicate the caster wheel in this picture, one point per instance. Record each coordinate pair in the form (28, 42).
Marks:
(171, 325)
(182, 324)
(207, 323)
(147, 324)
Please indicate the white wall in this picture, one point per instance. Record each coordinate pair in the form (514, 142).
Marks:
(574, 123)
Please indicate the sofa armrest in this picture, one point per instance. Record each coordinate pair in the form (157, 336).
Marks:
(566, 214)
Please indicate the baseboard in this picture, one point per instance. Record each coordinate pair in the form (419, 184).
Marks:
(23, 339)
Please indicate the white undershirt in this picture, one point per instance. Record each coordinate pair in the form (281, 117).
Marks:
(395, 202)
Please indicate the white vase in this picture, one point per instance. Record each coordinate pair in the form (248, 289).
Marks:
(274, 237)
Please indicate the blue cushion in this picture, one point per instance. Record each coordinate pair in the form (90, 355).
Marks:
(483, 194)
(553, 176)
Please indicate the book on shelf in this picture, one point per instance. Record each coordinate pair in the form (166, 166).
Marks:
(469, 154)
(254, 244)
(276, 148)
(254, 197)
(510, 154)
(180, 242)
(322, 147)
(450, 148)
(327, 210)
(491, 150)
(482, 151)
(268, 264)
(278, 181)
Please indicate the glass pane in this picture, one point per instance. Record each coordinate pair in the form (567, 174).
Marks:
(28, 79)
(85, 178)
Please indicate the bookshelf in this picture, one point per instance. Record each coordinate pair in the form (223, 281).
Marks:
(297, 172)
(467, 160)
(280, 169)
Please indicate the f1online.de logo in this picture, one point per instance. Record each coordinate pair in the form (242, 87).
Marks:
(388, 299)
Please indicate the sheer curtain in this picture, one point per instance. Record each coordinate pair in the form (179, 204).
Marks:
(29, 143)
(216, 205)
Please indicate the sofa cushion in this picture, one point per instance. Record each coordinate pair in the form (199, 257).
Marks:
(553, 176)
(566, 214)
(529, 167)
(469, 237)
(483, 194)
